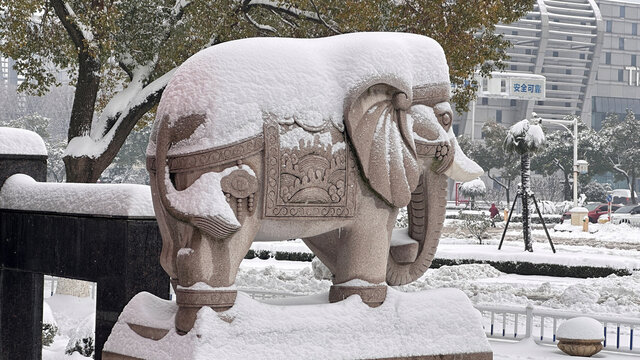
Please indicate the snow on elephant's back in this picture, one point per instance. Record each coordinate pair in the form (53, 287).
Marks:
(237, 83)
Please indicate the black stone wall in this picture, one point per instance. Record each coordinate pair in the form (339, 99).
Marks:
(32, 165)
(121, 254)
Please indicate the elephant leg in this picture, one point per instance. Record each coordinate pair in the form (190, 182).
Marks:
(324, 246)
(207, 270)
(362, 255)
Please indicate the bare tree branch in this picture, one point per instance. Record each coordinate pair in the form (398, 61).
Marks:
(261, 27)
(333, 28)
(283, 9)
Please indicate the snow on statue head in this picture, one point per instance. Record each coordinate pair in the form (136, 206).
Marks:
(322, 139)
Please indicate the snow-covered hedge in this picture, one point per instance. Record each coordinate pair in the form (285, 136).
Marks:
(527, 268)
(517, 218)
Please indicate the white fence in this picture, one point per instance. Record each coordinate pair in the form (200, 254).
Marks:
(508, 322)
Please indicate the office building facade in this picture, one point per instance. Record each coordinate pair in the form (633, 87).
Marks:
(588, 52)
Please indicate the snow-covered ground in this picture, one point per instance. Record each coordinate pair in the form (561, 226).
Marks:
(484, 285)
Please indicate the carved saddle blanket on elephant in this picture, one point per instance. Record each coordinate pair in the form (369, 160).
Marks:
(309, 172)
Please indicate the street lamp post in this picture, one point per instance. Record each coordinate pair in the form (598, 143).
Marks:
(578, 165)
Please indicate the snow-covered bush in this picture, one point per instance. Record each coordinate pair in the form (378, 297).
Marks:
(49, 325)
(320, 270)
(476, 224)
(402, 221)
(473, 189)
(82, 339)
(595, 191)
(49, 332)
(547, 207)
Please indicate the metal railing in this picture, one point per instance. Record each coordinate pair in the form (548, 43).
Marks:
(505, 321)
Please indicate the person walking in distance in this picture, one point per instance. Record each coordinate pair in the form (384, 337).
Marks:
(493, 211)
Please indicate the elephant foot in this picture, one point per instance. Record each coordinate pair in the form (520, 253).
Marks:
(373, 295)
(190, 301)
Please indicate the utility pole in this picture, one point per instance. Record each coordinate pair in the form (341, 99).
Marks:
(574, 133)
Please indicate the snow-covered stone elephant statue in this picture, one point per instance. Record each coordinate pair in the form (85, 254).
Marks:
(321, 139)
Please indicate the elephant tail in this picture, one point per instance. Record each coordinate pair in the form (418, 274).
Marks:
(216, 227)
(410, 258)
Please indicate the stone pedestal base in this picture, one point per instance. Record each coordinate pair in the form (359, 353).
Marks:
(435, 324)
(191, 301)
(371, 295)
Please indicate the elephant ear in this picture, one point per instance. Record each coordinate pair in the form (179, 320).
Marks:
(376, 122)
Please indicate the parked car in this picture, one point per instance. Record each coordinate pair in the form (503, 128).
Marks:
(621, 196)
(627, 215)
(601, 209)
(567, 214)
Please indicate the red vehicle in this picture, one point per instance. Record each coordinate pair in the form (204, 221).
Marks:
(595, 210)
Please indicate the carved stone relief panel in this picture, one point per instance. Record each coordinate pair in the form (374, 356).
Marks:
(308, 173)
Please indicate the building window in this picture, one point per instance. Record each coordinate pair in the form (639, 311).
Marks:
(484, 101)
(609, 25)
(498, 116)
(554, 87)
(555, 54)
(567, 71)
(621, 44)
(633, 60)
(514, 33)
(527, 51)
(621, 75)
(582, 56)
(569, 38)
(513, 102)
(621, 11)
(634, 29)
(607, 58)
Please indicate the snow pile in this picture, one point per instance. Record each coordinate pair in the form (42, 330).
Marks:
(237, 83)
(404, 325)
(21, 142)
(581, 328)
(22, 192)
(259, 274)
(512, 251)
(47, 315)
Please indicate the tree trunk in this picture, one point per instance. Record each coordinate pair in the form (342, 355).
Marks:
(84, 98)
(633, 188)
(84, 169)
(567, 188)
(525, 165)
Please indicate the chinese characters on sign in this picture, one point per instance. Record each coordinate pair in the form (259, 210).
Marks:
(524, 88)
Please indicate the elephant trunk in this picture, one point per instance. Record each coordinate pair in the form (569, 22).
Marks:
(410, 258)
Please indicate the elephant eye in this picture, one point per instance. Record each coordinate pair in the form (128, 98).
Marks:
(444, 113)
